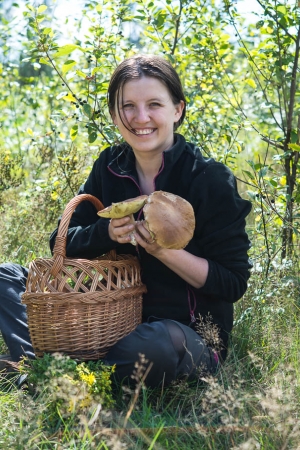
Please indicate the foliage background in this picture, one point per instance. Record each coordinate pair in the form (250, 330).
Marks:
(241, 83)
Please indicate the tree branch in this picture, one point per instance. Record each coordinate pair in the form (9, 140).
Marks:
(293, 89)
(177, 29)
(267, 11)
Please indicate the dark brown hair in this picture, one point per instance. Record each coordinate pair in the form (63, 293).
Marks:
(138, 66)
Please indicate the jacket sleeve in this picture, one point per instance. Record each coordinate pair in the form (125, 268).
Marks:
(88, 233)
(220, 233)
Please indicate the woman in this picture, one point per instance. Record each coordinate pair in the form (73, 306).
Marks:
(147, 104)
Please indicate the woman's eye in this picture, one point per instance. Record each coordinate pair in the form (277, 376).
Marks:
(127, 106)
(155, 104)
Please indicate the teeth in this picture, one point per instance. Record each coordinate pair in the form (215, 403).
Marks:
(143, 131)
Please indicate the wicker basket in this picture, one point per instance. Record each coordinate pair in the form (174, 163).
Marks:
(81, 307)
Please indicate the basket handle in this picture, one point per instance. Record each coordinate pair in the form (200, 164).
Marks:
(59, 250)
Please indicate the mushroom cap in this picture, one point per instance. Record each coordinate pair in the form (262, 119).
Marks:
(124, 208)
(170, 219)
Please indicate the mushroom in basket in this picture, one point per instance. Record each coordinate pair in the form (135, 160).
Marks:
(169, 218)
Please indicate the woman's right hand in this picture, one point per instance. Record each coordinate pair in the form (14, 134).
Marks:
(120, 230)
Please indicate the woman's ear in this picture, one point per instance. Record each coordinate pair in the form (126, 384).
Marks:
(179, 110)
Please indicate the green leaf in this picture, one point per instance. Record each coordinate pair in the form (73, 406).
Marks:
(251, 82)
(151, 36)
(74, 132)
(41, 9)
(68, 65)
(260, 24)
(263, 172)
(294, 147)
(44, 61)
(294, 137)
(249, 174)
(88, 111)
(96, 69)
(81, 74)
(46, 30)
(273, 182)
(66, 50)
(92, 136)
(160, 20)
(281, 9)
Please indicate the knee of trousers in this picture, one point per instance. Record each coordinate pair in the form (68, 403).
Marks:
(153, 341)
(12, 274)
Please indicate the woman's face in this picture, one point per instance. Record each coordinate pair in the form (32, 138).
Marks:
(147, 109)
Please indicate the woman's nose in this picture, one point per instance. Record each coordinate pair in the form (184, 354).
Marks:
(142, 115)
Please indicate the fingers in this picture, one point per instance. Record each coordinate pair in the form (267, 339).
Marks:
(120, 229)
(125, 231)
(144, 233)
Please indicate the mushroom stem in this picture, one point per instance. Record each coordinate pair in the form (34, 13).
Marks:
(132, 238)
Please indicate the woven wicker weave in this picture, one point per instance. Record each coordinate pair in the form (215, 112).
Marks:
(81, 307)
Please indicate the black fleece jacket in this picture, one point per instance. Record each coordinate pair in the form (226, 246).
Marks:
(219, 236)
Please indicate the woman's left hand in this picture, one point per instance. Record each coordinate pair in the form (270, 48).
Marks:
(144, 239)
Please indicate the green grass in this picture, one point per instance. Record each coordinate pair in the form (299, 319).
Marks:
(253, 402)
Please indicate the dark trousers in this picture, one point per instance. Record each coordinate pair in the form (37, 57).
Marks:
(171, 349)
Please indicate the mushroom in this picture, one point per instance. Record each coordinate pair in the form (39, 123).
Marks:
(169, 218)
(124, 208)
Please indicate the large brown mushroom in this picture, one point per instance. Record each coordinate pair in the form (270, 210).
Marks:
(169, 218)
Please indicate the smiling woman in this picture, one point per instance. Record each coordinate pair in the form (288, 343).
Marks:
(146, 116)
(205, 278)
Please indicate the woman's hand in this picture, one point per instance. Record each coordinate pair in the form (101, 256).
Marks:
(144, 239)
(190, 268)
(120, 230)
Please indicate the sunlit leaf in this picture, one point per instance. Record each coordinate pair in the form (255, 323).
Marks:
(282, 181)
(54, 195)
(66, 50)
(81, 74)
(68, 65)
(47, 30)
(41, 9)
(45, 61)
(294, 147)
(74, 132)
(69, 97)
(281, 9)
(251, 82)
